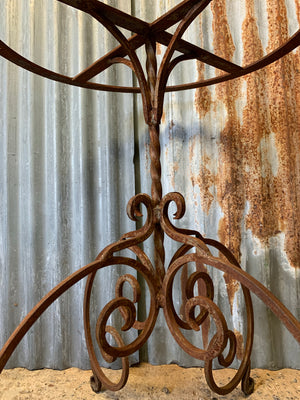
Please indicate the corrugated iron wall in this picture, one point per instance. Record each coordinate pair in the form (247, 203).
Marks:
(71, 159)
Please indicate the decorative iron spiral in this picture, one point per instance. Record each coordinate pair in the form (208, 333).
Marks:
(126, 307)
(208, 308)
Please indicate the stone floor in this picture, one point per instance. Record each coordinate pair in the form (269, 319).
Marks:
(145, 382)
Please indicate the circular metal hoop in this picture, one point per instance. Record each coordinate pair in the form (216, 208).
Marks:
(112, 18)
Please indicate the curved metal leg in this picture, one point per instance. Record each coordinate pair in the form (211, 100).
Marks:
(194, 250)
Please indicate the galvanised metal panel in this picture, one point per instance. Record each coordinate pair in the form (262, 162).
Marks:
(66, 176)
(233, 151)
(71, 159)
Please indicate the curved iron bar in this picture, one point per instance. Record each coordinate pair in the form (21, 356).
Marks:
(164, 69)
(243, 372)
(218, 343)
(41, 307)
(233, 269)
(219, 340)
(109, 352)
(136, 289)
(106, 258)
(133, 238)
(291, 44)
(16, 58)
(289, 320)
(122, 60)
(137, 67)
(96, 383)
(129, 240)
(88, 270)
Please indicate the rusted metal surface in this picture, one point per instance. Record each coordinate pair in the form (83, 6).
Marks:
(194, 248)
(161, 296)
(83, 78)
(256, 161)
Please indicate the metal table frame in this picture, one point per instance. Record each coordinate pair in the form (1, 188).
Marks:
(194, 248)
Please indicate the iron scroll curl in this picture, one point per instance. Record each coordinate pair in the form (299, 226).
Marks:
(194, 248)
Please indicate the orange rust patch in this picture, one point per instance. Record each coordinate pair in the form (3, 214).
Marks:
(171, 126)
(158, 49)
(229, 180)
(262, 215)
(163, 117)
(239, 345)
(203, 99)
(204, 179)
(174, 169)
(273, 108)
(259, 158)
(223, 43)
(202, 291)
(283, 80)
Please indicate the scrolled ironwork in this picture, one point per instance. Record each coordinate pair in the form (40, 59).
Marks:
(136, 296)
(218, 342)
(194, 248)
(207, 307)
(178, 234)
(129, 319)
(194, 240)
(133, 238)
(128, 312)
(99, 379)
(189, 290)
(228, 360)
(161, 294)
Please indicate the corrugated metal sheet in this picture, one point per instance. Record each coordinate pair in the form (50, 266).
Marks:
(71, 159)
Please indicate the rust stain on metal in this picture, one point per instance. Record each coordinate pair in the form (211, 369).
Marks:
(229, 179)
(239, 345)
(158, 49)
(204, 178)
(262, 214)
(272, 109)
(222, 41)
(174, 169)
(233, 189)
(246, 168)
(202, 291)
(203, 100)
(283, 79)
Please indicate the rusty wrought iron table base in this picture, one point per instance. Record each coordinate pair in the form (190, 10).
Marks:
(198, 305)
(194, 249)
